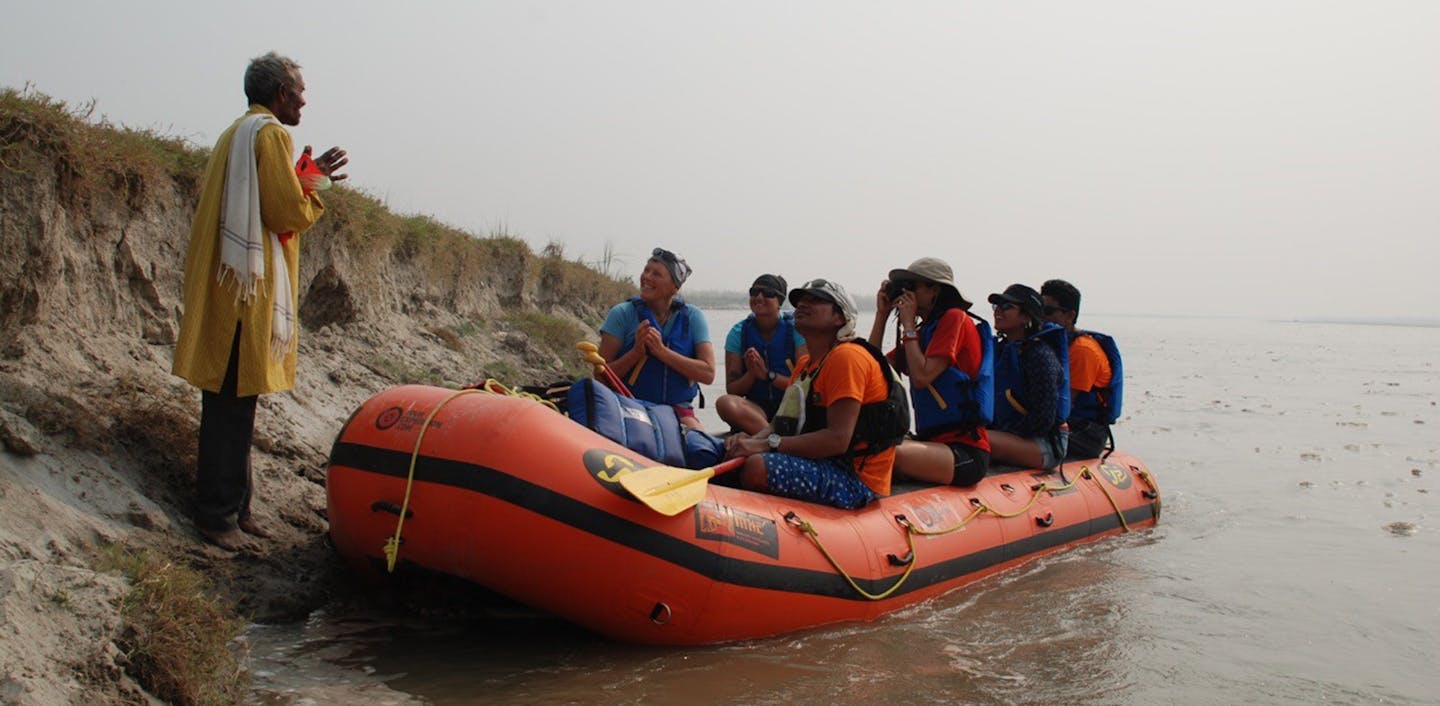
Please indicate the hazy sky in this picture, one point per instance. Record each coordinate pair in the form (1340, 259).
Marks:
(1235, 157)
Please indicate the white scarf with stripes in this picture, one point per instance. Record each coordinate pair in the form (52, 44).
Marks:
(242, 249)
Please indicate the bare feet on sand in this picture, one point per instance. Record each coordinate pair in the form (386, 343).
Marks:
(233, 540)
(249, 526)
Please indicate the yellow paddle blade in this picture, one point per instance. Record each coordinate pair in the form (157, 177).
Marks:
(666, 489)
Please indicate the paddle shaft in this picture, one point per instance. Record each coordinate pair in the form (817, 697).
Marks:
(615, 380)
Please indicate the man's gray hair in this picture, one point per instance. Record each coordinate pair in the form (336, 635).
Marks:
(267, 75)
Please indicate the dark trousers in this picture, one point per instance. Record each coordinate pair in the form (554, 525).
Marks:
(227, 426)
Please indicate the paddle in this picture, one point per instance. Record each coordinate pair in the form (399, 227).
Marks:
(602, 368)
(669, 490)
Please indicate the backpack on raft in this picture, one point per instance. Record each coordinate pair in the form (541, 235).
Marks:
(881, 425)
(650, 429)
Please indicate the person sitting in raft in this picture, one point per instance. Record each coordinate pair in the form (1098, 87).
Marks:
(1094, 384)
(832, 440)
(659, 344)
(760, 353)
(1032, 392)
(940, 348)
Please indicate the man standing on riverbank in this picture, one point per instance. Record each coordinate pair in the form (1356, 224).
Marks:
(239, 330)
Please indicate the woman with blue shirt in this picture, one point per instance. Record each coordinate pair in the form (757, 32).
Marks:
(659, 344)
(760, 353)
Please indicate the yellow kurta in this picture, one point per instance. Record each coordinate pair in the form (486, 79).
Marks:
(207, 326)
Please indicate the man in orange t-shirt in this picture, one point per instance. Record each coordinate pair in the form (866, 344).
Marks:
(818, 458)
(1089, 368)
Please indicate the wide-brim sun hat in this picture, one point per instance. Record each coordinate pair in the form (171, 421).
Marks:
(931, 269)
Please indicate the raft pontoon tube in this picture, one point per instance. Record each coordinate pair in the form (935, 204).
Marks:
(511, 495)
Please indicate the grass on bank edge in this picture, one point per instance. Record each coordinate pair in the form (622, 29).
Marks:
(91, 155)
(178, 635)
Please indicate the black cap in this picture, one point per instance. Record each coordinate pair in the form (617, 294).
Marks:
(774, 283)
(1024, 297)
(1064, 294)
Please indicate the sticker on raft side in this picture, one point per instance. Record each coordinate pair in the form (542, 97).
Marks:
(394, 417)
(1117, 475)
(934, 516)
(737, 527)
(606, 468)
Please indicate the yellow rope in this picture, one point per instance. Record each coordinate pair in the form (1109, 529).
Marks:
(809, 530)
(1154, 488)
(1085, 472)
(981, 508)
(392, 545)
(491, 386)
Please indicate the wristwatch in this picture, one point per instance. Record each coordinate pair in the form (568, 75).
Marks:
(774, 440)
(770, 376)
(910, 333)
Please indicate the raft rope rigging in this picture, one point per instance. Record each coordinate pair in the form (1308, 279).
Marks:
(491, 386)
(814, 536)
(981, 508)
(494, 387)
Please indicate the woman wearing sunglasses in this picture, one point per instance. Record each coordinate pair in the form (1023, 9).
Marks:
(1032, 382)
(943, 349)
(760, 353)
(659, 344)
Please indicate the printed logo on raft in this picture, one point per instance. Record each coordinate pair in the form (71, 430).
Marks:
(1117, 475)
(402, 420)
(737, 527)
(607, 468)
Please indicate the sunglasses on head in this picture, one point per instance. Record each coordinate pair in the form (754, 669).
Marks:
(765, 292)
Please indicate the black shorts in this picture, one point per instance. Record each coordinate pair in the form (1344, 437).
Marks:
(1087, 439)
(971, 463)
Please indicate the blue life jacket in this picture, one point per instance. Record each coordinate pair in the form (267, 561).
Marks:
(650, 429)
(969, 402)
(779, 355)
(1101, 404)
(658, 382)
(1008, 374)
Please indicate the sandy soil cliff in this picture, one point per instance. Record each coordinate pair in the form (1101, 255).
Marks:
(98, 437)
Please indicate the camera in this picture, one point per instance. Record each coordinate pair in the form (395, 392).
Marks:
(895, 287)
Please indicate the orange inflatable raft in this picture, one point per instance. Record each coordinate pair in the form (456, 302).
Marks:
(509, 494)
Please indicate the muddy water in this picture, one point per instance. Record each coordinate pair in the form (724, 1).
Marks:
(1297, 561)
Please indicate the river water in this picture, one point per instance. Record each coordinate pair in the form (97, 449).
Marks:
(1297, 561)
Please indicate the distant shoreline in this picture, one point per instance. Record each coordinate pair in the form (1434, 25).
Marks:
(1411, 322)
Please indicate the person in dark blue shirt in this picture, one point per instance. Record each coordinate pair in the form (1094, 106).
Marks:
(1032, 389)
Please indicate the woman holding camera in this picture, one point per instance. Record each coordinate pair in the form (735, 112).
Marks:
(943, 349)
(658, 341)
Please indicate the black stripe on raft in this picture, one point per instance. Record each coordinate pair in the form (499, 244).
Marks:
(718, 567)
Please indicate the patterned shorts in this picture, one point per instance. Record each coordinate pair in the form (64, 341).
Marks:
(831, 481)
